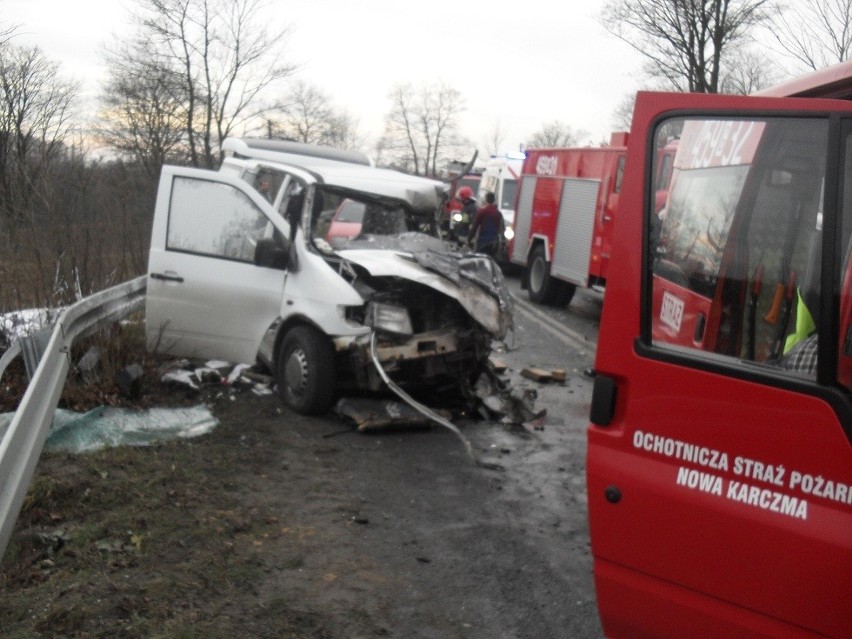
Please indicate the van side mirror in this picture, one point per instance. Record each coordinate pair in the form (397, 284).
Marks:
(276, 253)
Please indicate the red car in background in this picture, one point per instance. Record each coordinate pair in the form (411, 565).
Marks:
(346, 222)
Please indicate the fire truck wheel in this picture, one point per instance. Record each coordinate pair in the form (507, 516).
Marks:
(543, 289)
(566, 294)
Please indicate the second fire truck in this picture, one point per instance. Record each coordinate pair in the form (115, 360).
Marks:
(563, 221)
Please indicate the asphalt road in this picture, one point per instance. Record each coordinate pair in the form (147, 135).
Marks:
(456, 549)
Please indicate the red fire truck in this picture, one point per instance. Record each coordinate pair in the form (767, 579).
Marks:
(719, 465)
(563, 219)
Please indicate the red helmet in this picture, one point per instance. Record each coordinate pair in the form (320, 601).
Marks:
(465, 193)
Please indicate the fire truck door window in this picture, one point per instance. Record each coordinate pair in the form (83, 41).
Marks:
(735, 259)
(844, 369)
(619, 174)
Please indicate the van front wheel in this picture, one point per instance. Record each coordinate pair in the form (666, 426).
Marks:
(305, 371)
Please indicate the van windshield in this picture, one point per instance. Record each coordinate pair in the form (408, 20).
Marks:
(507, 197)
(339, 218)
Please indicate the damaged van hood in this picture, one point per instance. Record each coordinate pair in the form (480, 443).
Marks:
(475, 281)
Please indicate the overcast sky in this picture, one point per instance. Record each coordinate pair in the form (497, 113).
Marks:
(518, 64)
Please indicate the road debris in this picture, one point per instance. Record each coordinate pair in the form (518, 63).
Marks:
(107, 426)
(497, 365)
(371, 414)
(88, 364)
(129, 380)
(492, 398)
(509, 404)
(545, 375)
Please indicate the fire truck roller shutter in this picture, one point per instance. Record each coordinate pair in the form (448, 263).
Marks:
(574, 231)
(523, 220)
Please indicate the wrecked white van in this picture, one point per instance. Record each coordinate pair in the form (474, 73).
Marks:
(240, 268)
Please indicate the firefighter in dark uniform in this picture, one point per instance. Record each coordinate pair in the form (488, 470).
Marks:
(487, 227)
(461, 229)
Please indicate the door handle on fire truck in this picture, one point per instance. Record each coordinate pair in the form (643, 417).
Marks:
(167, 278)
(603, 400)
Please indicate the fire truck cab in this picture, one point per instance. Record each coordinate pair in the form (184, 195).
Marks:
(719, 466)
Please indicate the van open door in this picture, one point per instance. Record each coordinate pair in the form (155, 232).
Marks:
(719, 466)
(208, 295)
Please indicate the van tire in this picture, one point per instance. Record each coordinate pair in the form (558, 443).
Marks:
(305, 371)
(542, 288)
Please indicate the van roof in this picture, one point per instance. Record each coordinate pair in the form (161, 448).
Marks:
(419, 192)
(284, 150)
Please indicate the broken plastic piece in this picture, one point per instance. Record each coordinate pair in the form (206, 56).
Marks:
(374, 414)
(129, 380)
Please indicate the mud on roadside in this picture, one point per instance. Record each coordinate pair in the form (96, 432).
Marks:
(173, 540)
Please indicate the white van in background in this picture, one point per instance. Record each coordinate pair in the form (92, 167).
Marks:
(501, 177)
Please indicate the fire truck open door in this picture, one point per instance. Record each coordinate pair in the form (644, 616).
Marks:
(719, 464)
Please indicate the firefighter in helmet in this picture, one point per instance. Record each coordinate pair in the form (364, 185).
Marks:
(463, 218)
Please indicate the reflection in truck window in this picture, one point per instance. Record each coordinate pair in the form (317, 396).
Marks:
(695, 226)
(733, 250)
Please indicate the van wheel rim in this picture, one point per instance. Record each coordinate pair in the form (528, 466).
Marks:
(296, 371)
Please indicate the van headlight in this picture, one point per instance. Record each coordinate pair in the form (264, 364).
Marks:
(385, 317)
(509, 233)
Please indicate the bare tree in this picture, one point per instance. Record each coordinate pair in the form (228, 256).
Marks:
(816, 34)
(342, 131)
(225, 56)
(7, 32)
(622, 115)
(751, 70)
(493, 139)
(305, 114)
(421, 127)
(36, 106)
(684, 41)
(308, 115)
(555, 134)
(144, 109)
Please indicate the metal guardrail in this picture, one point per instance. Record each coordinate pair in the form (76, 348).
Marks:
(23, 441)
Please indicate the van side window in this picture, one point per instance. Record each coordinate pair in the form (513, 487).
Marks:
(735, 247)
(213, 219)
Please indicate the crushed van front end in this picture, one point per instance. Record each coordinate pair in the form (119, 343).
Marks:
(434, 321)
